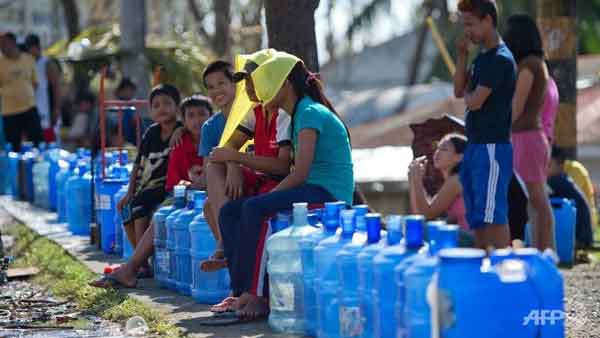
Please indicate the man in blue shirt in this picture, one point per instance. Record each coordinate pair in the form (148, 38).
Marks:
(488, 91)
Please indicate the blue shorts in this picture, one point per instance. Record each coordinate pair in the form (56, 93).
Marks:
(485, 175)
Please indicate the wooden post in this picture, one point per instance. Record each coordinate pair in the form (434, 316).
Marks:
(557, 22)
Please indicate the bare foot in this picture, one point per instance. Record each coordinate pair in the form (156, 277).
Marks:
(256, 308)
(124, 276)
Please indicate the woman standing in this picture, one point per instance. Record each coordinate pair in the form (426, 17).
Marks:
(531, 148)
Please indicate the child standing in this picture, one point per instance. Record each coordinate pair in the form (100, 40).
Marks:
(488, 92)
(147, 183)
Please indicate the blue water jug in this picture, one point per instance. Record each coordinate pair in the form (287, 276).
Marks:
(365, 272)
(413, 313)
(548, 283)
(41, 188)
(284, 265)
(79, 203)
(330, 219)
(384, 290)
(4, 168)
(182, 242)
(56, 154)
(161, 255)
(328, 281)
(469, 290)
(123, 246)
(351, 324)
(171, 241)
(65, 172)
(565, 216)
(107, 209)
(207, 287)
(13, 170)
(25, 170)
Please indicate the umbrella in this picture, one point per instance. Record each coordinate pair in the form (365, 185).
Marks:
(426, 136)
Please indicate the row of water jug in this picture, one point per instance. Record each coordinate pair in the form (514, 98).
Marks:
(183, 239)
(347, 277)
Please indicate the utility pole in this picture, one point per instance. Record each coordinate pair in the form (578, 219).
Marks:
(133, 44)
(557, 22)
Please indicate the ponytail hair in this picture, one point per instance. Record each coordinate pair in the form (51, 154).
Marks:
(459, 142)
(306, 83)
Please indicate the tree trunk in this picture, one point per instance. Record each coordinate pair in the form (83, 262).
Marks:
(291, 28)
(222, 39)
(133, 44)
(557, 22)
(71, 17)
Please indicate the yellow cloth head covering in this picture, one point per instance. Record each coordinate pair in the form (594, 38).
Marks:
(270, 76)
(242, 104)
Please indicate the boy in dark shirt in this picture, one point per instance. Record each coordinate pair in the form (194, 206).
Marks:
(147, 183)
(563, 187)
(488, 90)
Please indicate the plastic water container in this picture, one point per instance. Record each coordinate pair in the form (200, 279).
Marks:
(171, 242)
(284, 265)
(161, 255)
(182, 242)
(25, 170)
(41, 188)
(365, 271)
(107, 209)
(13, 170)
(384, 290)
(123, 244)
(56, 154)
(351, 324)
(64, 173)
(328, 278)
(4, 168)
(79, 204)
(207, 287)
(331, 220)
(548, 283)
(470, 290)
(565, 216)
(413, 313)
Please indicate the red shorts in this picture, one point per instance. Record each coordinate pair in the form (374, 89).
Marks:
(256, 183)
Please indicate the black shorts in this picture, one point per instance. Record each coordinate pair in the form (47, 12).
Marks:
(144, 203)
(26, 123)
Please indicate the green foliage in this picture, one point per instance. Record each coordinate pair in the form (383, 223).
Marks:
(182, 56)
(67, 278)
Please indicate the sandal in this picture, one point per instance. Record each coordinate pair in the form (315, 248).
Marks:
(224, 306)
(109, 282)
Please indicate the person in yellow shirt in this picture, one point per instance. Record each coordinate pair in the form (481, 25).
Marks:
(581, 177)
(17, 90)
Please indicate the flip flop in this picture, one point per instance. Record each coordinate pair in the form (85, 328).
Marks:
(224, 306)
(221, 319)
(212, 265)
(109, 282)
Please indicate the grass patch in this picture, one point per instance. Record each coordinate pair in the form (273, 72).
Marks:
(67, 278)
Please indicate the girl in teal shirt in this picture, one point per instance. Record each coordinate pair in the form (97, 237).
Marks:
(323, 172)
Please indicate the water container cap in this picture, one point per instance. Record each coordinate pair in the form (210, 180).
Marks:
(42, 146)
(414, 230)
(300, 214)
(394, 227)
(446, 237)
(331, 216)
(313, 219)
(359, 216)
(347, 217)
(124, 156)
(373, 228)
(179, 191)
(462, 253)
(53, 145)
(432, 230)
(199, 198)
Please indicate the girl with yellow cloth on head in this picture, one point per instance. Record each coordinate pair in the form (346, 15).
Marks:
(323, 170)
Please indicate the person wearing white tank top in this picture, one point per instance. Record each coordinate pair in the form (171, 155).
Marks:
(48, 79)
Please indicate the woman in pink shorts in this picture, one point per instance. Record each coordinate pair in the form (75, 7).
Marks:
(530, 143)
